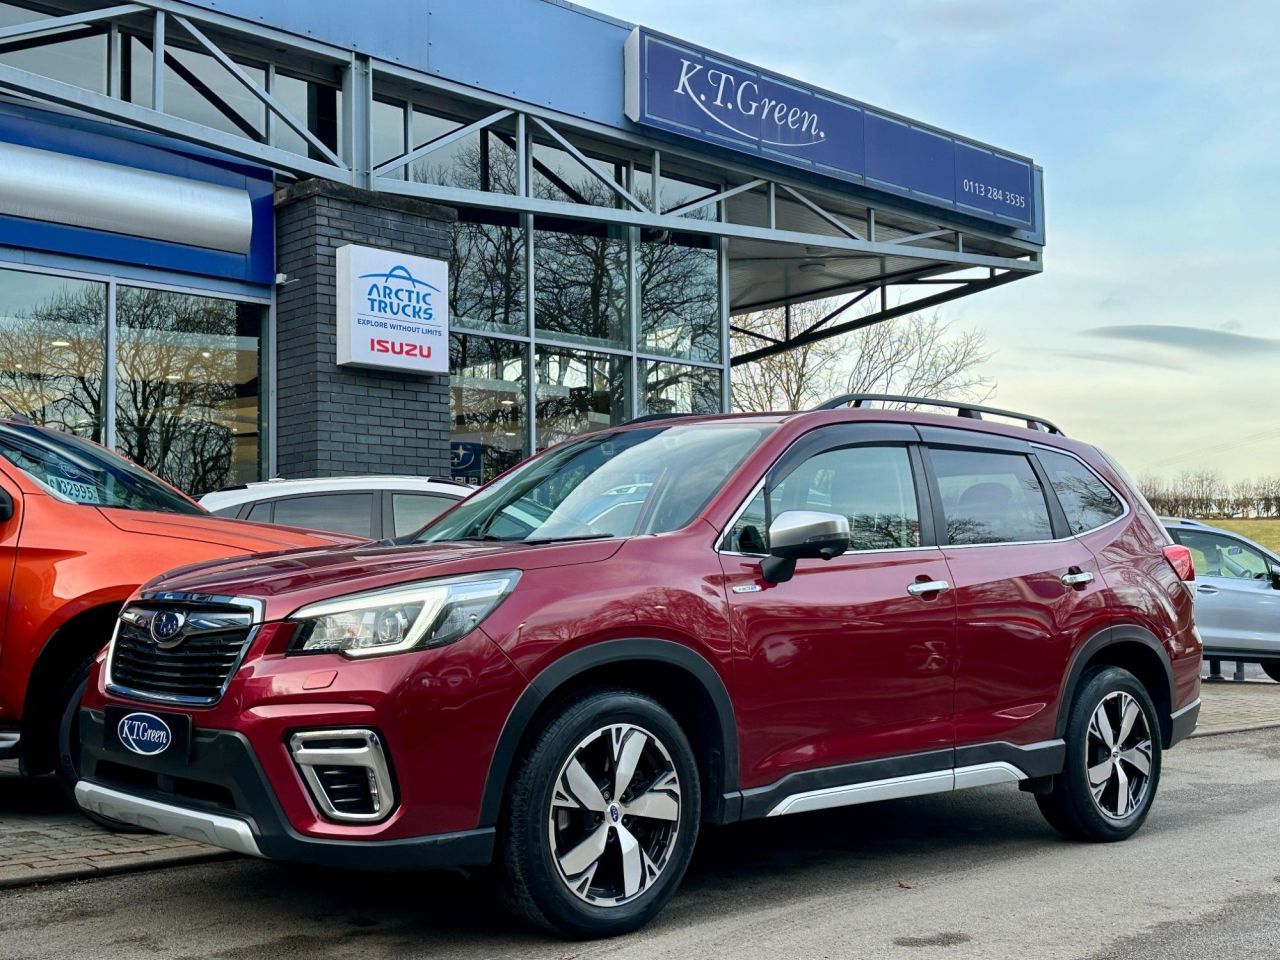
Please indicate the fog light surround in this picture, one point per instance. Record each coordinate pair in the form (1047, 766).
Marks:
(324, 756)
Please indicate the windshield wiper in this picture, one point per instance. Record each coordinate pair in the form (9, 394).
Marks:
(566, 539)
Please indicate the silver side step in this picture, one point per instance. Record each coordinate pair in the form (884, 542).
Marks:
(9, 740)
(896, 788)
(211, 828)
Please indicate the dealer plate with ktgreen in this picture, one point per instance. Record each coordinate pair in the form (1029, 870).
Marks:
(147, 734)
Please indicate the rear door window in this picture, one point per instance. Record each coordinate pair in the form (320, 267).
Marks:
(350, 513)
(1087, 501)
(413, 511)
(990, 497)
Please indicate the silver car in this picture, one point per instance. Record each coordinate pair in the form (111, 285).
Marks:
(1237, 591)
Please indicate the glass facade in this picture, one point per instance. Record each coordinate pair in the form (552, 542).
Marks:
(186, 375)
(613, 324)
(488, 406)
(561, 324)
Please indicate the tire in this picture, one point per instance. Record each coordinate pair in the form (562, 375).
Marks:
(67, 768)
(579, 860)
(1272, 669)
(1102, 794)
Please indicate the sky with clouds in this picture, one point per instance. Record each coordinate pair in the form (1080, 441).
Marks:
(1153, 330)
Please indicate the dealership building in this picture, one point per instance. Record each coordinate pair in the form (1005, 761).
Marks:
(247, 238)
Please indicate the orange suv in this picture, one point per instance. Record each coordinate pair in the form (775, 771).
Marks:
(80, 529)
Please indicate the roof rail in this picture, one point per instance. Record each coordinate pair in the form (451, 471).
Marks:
(970, 411)
(648, 417)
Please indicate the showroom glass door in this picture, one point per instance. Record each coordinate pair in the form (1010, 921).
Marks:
(188, 387)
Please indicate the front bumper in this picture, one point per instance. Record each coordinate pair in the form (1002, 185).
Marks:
(221, 796)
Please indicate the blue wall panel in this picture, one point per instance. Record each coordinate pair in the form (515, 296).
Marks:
(112, 144)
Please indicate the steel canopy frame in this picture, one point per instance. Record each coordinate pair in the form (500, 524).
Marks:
(937, 247)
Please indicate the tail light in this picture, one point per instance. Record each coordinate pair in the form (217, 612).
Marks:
(1179, 558)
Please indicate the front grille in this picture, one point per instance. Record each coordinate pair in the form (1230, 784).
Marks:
(191, 668)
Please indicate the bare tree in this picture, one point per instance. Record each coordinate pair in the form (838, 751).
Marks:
(919, 355)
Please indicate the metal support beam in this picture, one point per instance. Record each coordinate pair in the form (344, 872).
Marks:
(752, 333)
(901, 310)
(157, 63)
(587, 165)
(556, 208)
(267, 99)
(395, 163)
(711, 198)
(54, 24)
(828, 217)
(357, 120)
(97, 104)
(928, 235)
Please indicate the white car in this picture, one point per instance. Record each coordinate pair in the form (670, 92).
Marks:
(374, 507)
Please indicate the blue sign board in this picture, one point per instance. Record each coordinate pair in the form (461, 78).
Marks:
(684, 89)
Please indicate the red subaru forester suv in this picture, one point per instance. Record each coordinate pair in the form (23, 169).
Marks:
(684, 620)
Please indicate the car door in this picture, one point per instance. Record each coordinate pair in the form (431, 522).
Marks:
(1022, 588)
(1237, 607)
(850, 660)
(11, 501)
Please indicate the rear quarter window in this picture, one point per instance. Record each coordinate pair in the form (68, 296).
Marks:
(1086, 500)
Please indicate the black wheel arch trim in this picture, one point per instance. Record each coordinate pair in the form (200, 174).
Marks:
(1110, 637)
(725, 802)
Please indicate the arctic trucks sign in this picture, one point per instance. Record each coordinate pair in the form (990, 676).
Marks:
(393, 310)
(684, 89)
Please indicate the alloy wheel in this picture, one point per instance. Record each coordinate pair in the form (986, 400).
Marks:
(1118, 756)
(615, 815)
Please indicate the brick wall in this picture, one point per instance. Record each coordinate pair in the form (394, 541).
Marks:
(335, 420)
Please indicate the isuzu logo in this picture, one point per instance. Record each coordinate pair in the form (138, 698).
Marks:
(166, 628)
(144, 733)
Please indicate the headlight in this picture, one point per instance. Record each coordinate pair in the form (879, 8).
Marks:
(426, 614)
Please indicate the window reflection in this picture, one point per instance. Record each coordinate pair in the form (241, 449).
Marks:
(198, 88)
(77, 56)
(578, 392)
(187, 387)
(580, 281)
(557, 175)
(387, 122)
(487, 279)
(484, 160)
(53, 351)
(676, 388)
(487, 406)
(679, 281)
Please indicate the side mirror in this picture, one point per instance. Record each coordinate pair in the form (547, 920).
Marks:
(1275, 576)
(802, 535)
(6, 506)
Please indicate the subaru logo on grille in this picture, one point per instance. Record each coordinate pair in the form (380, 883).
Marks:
(166, 628)
(145, 734)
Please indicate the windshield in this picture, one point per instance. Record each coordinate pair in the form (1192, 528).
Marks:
(83, 472)
(617, 484)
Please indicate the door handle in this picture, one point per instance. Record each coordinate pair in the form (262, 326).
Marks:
(928, 586)
(1203, 588)
(1077, 579)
